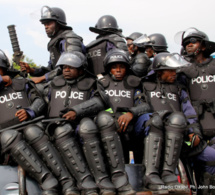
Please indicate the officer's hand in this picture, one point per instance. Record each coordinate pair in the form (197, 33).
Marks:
(7, 80)
(25, 67)
(194, 139)
(22, 115)
(71, 115)
(124, 120)
(38, 79)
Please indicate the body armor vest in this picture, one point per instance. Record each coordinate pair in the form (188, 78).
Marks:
(95, 56)
(166, 97)
(202, 95)
(12, 98)
(65, 95)
(121, 95)
(97, 50)
(202, 86)
(54, 45)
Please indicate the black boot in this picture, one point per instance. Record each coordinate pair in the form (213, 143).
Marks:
(174, 134)
(152, 157)
(91, 145)
(40, 142)
(26, 157)
(74, 159)
(113, 149)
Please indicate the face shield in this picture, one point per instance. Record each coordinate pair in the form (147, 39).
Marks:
(142, 40)
(174, 61)
(47, 13)
(181, 35)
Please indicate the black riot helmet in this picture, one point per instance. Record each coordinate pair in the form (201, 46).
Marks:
(164, 61)
(106, 24)
(53, 13)
(133, 36)
(74, 59)
(156, 41)
(192, 35)
(113, 56)
(4, 62)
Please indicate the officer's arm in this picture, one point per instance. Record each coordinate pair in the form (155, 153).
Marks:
(5, 81)
(194, 132)
(37, 103)
(141, 107)
(89, 108)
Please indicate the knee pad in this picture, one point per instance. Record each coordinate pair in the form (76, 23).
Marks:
(177, 120)
(63, 130)
(105, 120)
(156, 121)
(33, 133)
(87, 126)
(8, 138)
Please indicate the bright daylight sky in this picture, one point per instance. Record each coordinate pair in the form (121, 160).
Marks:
(145, 16)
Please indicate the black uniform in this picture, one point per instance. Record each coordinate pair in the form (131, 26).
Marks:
(109, 37)
(117, 96)
(65, 39)
(61, 95)
(166, 127)
(14, 97)
(200, 85)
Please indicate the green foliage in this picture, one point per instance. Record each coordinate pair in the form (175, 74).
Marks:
(27, 60)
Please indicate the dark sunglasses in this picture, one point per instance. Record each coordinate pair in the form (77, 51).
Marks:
(191, 40)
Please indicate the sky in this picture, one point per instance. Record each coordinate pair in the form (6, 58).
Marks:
(156, 16)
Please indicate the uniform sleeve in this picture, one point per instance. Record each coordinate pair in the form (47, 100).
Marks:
(1, 83)
(37, 103)
(188, 109)
(109, 46)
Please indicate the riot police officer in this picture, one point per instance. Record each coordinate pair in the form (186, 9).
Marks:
(62, 38)
(129, 39)
(109, 36)
(117, 93)
(140, 62)
(165, 126)
(154, 44)
(16, 108)
(200, 83)
(65, 91)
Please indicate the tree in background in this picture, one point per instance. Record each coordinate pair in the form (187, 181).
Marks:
(29, 61)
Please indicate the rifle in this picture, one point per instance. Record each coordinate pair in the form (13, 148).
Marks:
(17, 53)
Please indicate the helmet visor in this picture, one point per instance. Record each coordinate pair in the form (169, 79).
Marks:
(181, 35)
(47, 13)
(175, 61)
(142, 40)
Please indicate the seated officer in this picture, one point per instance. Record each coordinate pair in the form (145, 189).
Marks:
(116, 92)
(166, 126)
(19, 103)
(65, 91)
